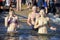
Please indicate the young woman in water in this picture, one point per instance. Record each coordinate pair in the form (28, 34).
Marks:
(11, 21)
(42, 23)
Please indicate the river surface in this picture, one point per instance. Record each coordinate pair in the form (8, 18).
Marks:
(26, 33)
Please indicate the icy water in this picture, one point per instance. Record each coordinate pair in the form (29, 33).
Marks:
(26, 33)
(27, 36)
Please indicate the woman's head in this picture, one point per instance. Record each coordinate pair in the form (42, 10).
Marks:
(34, 8)
(42, 12)
(11, 12)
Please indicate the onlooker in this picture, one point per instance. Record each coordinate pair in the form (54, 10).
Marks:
(3, 2)
(34, 2)
(0, 3)
(29, 5)
(52, 8)
(45, 6)
(40, 3)
(7, 3)
(28, 2)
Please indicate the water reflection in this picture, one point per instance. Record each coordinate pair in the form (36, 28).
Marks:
(30, 37)
(43, 38)
(11, 38)
(55, 38)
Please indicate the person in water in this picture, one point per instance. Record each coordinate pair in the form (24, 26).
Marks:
(11, 21)
(32, 17)
(42, 23)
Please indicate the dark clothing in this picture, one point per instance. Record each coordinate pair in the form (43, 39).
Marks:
(3, 3)
(44, 5)
(11, 21)
(52, 8)
(34, 28)
(34, 2)
(1, 0)
(0, 3)
(40, 3)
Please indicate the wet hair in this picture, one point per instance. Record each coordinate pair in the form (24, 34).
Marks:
(42, 10)
(11, 10)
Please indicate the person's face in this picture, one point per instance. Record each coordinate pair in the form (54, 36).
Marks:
(10, 13)
(34, 8)
(42, 13)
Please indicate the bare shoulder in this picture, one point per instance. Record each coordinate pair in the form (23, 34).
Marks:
(16, 17)
(38, 18)
(38, 15)
(6, 17)
(30, 14)
(47, 18)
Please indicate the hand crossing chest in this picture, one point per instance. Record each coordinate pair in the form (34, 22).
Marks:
(43, 21)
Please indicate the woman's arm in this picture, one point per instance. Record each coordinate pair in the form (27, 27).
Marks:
(28, 20)
(52, 28)
(46, 9)
(17, 21)
(36, 24)
(6, 22)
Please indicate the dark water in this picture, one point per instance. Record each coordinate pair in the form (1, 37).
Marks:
(28, 34)
(25, 33)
